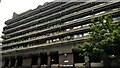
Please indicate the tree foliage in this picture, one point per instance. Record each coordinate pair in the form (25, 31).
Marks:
(104, 37)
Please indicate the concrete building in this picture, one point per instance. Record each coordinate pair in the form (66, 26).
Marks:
(47, 37)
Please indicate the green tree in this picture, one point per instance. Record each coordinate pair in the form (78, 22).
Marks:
(104, 38)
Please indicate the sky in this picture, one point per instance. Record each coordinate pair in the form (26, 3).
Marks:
(7, 7)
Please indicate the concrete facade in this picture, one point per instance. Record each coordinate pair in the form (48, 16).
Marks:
(48, 36)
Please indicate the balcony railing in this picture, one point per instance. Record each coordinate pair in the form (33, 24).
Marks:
(45, 37)
(58, 7)
(82, 39)
(42, 25)
(32, 26)
(48, 29)
(48, 11)
(83, 11)
(45, 23)
(95, 16)
(43, 7)
(113, 12)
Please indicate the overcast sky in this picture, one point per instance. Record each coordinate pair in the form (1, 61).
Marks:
(7, 7)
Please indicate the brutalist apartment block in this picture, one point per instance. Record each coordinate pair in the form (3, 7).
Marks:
(47, 36)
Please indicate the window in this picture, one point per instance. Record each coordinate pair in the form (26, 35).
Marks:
(44, 59)
(12, 62)
(6, 63)
(34, 60)
(55, 58)
(19, 61)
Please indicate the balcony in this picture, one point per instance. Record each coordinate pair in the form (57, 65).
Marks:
(93, 16)
(53, 4)
(84, 29)
(47, 29)
(66, 11)
(42, 14)
(115, 13)
(36, 21)
(86, 10)
(80, 39)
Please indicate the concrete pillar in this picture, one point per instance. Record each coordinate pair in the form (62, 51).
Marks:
(39, 61)
(12, 62)
(66, 61)
(9, 62)
(3, 63)
(49, 61)
(19, 61)
(16, 63)
(27, 62)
